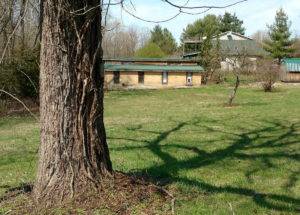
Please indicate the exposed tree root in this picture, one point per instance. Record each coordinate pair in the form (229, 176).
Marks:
(119, 194)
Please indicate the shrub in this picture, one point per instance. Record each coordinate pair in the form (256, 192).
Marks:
(27, 73)
(8, 79)
(150, 50)
(267, 74)
(19, 75)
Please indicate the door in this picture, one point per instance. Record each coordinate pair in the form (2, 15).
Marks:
(141, 77)
(164, 78)
(189, 79)
(116, 77)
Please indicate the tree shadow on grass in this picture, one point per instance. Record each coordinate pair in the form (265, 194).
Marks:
(15, 191)
(244, 147)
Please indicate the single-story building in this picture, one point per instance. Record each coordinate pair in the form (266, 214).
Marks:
(153, 73)
(291, 70)
(232, 45)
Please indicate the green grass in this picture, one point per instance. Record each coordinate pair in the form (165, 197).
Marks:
(216, 160)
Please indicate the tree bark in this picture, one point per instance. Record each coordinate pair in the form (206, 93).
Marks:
(22, 24)
(73, 147)
(232, 95)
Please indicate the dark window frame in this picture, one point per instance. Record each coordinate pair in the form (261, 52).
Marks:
(187, 75)
(141, 77)
(162, 78)
(116, 77)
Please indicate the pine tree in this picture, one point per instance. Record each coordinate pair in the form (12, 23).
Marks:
(280, 42)
(230, 22)
(164, 39)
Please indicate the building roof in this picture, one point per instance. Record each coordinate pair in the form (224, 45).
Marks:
(236, 47)
(197, 41)
(148, 60)
(233, 33)
(152, 68)
(191, 55)
(292, 64)
(190, 41)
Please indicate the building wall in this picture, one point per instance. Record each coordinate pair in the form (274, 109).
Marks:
(290, 77)
(176, 79)
(108, 78)
(229, 63)
(129, 78)
(153, 79)
(197, 79)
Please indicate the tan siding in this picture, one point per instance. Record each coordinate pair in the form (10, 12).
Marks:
(109, 76)
(197, 78)
(292, 77)
(129, 78)
(177, 79)
(153, 79)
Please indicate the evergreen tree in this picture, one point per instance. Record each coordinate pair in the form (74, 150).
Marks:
(230, 22)
(280, 42)
(209, 25)
(164, 39)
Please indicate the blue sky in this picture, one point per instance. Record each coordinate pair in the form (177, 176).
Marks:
(255, 13)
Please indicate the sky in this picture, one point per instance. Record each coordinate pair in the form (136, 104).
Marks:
(256, 14)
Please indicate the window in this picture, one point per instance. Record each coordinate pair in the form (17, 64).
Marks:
(141, 77)
(164, 78)
(116, 77)
(189, 78)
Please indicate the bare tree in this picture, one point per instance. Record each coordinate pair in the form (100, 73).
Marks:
(122, 41)
(267, 73)
(240, 64)
(260, 36)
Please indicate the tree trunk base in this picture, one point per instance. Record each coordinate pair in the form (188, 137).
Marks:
(117, 194)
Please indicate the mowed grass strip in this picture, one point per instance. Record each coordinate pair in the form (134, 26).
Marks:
(215, 159)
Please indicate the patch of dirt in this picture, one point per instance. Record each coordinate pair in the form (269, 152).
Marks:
(122, 194)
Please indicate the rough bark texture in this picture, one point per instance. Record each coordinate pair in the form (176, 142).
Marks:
(22, 24)
(232, 95)
(73, 148)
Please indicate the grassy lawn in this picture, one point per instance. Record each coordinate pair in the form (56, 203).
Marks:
(215, 160)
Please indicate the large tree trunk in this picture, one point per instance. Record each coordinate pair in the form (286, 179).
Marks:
(73, 146)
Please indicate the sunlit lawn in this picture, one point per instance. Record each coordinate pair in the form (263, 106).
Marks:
(214, 159)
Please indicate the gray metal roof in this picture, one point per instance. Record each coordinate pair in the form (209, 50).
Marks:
(292, 64)
(152, 68)
(148, 60)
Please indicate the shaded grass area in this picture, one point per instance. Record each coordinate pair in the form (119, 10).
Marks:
(215, 160)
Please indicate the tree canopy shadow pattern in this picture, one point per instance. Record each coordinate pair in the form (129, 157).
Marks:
(238, 150)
